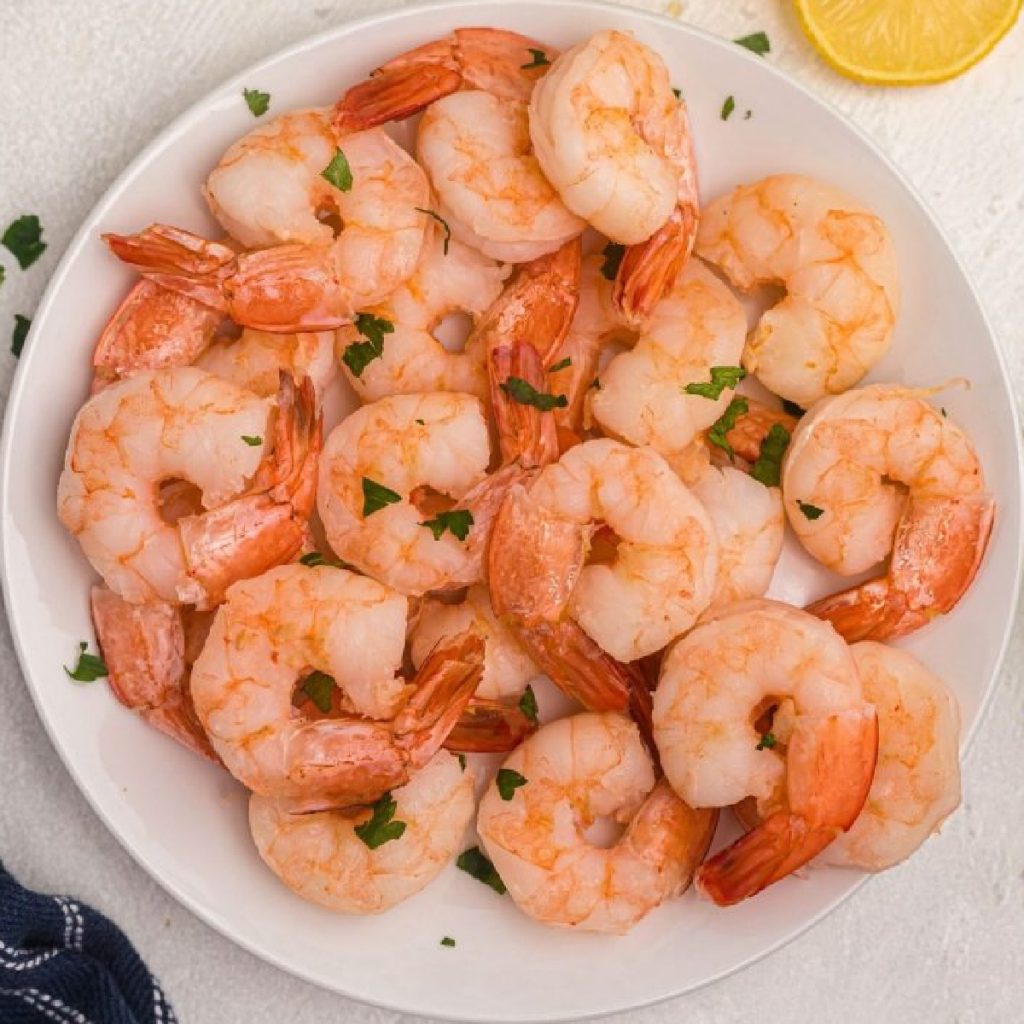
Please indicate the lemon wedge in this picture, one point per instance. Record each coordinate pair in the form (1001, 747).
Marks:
(905, 42)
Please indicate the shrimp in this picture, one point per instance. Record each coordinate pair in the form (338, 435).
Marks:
(614, 140)
(321, 856)
(450, 278)
(373, 462)
(269, 193)
(149, 650)
(917, 781)
(696, 328)
(877, 471)
(811, 766)
(575, 771)
(281, 628)
(837, 263)
(256, 477)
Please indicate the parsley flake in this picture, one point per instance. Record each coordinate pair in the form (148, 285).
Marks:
(508, 781)
(767, 741)
(89, 667)
(3, 274)
(612, 253)
(540, 59)
(944, 413)
(562, 364)
(380, 829)
(728, 107)
(722, 377)
(476, 863)
(525, 393)
(720, 428)
(440, 220)
(318, 687)
(376, 496)
(257, 102)
(767, 469)
(448, 941)
(811, 512)
(19, 334)
(456, 521)
(678, 93)
(360, 354)
(756, 42)
(792, 408)
(528, 704)
(338, 172)
(252, 440)
(422, 423)
(24, 238)
(462, 761)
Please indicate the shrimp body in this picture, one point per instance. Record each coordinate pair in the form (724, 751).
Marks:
(404, 443)
(576, 770)
(810, 777)
(321, 857)
(185, 424)
(837, 263)
(889, 473)
(698, 325)
(271, 633)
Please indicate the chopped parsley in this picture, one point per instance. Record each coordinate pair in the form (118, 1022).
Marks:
(540, 59)
(768, 467)
(944, 413)
(360, 354)
(508, 781)
(338, 172)
(728, 107)
(89, 667)
(252, 440)
(476, 863)
(721, 427)
(792, 408)
(318, 687)
(422, 423)
(376, 496)
(811, 512)
(257, 102)
(456, 521)
(440, 220)
(24, 238)
(528, 704)
(448, 941)
(314, 558)
(767, 741)
(612, 253)
(3, 274)
(380, 828)
(678, 93)
(747, 115)
(722, 377)
(562, 364)
(462, 761)
(19, 334)
(525, 393)
(756, 42)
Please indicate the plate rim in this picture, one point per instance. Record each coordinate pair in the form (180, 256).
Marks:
(179, 125)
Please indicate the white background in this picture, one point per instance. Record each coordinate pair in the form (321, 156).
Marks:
(84, 85)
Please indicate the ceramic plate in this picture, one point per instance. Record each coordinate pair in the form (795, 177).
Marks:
(185, 821)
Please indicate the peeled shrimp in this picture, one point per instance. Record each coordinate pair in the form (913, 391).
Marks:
(809, 768)
(256, 477)
(404, 443)
(269, 190)
(271, 633)
(321, 857)
(879, 470)
(450, 278)
(698, 325)
(835, 260)
(614, 140)
(577, 770)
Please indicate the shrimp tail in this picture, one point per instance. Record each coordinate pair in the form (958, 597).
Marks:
(144, 649)
(397, 91)
(938, 547)
(527, 435)
(267, 526)
(489, 727)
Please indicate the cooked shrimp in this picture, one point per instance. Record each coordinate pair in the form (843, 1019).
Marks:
(879, 470)
(270, 194)
(810, 769)
(614, 140)
(149, 650)
(373, 462)
(256, 478)
(450, 278)
(272, 633)
(575, 771)
(835, 260)
(696, 328)
(321, 857)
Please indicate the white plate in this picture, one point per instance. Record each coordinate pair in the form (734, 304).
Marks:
(184, 821)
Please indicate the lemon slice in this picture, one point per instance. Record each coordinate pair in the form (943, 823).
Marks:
(905, 42)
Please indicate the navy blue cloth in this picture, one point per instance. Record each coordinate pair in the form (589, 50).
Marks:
(63, 961)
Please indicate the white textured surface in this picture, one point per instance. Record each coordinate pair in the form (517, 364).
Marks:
(84, 86)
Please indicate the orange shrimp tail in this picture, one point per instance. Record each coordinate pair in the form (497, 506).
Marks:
(938, 547)
(178, 260)
(489, 727)
(526, 434)
(648, 269)
(753, 426)
(268, 526)
(144, 649)
(396, 92)
(484, 501)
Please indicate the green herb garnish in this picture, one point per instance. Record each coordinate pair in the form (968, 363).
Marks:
(811, 512)
(89, 667)
(612, 253)
(24, 238)
(442, 222)
(528, 703)
(525, 393)
(338, 172)
(756, 42)
(19, 334)
(476, 863)
(462, 761)
(562, 364)
(3, 274)
(376, 496)
(721, 427)
(252, 440)
(380, 829)
(448, 941)
(360, 354)
(768, 467)
(767, 741)
(722, 377)
(508, 781)
(257, 102)
(728, 107)
(678, 93)
(792, 408)
(540, 59)
(318, 687)
(456, 521)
